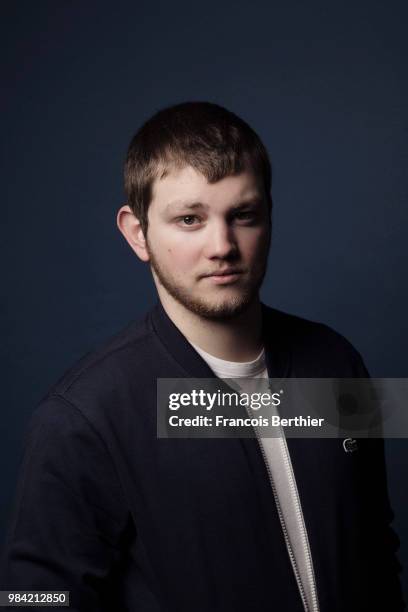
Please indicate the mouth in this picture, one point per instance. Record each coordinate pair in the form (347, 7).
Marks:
(224, 277)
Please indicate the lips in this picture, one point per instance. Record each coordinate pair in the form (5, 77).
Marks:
(227, 272)
(225, 277)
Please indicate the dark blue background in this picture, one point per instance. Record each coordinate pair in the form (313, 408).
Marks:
(324, 84)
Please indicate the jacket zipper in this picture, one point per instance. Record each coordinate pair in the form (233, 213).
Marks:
(283, 524)
(311, 575)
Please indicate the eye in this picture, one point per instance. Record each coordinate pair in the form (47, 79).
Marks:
(187, 219)
(245, 215)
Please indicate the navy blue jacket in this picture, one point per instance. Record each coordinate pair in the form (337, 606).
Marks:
(126, 521)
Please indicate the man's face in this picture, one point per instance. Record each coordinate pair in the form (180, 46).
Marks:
(208, 243)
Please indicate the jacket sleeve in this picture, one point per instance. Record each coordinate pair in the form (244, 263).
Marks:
(69, 513)
(382, 542)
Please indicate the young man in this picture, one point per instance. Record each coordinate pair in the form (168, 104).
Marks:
(126, 521)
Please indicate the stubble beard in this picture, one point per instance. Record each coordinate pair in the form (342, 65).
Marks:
(227, 308)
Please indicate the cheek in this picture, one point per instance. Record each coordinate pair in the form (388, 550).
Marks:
(255, 245)
(174, 252)
(181, 255)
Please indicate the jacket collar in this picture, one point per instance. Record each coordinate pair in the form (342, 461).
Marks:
(277, 353)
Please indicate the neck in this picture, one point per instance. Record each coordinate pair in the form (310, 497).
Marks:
(236, 339)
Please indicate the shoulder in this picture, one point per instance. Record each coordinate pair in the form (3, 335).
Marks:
(316, 349)
(105, 378)
(102, 365)
(74, 428)
(304, 330)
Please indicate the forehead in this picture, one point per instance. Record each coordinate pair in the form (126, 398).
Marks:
(186, 186)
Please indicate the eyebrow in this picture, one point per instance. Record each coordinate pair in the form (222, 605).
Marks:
(186, 205)
(251, 202)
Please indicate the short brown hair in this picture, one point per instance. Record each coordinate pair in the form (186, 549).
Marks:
(208, 137)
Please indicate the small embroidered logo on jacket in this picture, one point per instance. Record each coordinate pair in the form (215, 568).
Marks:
(350, 445)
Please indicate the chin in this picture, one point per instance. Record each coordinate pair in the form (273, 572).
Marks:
(219, 310)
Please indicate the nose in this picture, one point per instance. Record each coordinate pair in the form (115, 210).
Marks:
(221, 241)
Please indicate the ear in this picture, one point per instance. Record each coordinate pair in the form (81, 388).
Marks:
(130, 227)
